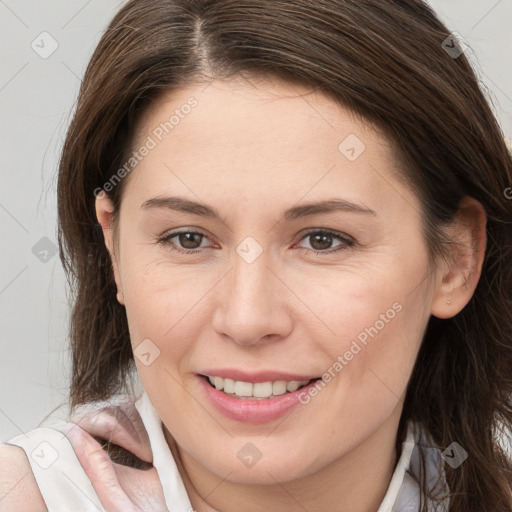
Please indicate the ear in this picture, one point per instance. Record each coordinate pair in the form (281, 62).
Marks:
(104, 209)
(458, 276)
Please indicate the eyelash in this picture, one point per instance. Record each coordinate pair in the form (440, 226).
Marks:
(349, 242)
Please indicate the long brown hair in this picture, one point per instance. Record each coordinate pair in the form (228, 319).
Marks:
(384, 60)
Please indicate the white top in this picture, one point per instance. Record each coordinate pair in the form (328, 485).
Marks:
(65, 486)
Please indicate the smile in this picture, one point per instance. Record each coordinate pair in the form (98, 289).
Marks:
(257, 390)
(245, 407)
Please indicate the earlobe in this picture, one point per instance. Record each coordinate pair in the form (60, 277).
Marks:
(104, 209)
(459, 275)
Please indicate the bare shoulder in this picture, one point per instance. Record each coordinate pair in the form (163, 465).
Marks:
(18, 487)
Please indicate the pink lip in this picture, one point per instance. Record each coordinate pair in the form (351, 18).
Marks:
(263, 376)
(252, 411)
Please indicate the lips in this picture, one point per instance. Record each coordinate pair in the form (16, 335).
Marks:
(251, 410)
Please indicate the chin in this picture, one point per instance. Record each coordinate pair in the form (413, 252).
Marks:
(266, 471)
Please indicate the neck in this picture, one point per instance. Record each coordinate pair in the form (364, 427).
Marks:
(356, 482)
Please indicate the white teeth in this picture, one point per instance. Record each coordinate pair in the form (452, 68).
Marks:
(279, 387)
(243, 388)
(293, 385)
(229, 386)
(256, 390)
(218, 382)
(261, 390)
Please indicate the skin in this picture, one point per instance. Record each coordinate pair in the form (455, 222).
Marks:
(251, 150)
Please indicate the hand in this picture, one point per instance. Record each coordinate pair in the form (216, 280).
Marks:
(114, 473)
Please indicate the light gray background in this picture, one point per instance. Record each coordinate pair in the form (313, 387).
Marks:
(37, 96)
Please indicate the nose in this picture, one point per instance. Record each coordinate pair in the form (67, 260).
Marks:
(253, 303)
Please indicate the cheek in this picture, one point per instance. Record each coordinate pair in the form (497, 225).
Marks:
(372, 327)
(363, 303)
(157, 291)
(168, 304)
(379, 355)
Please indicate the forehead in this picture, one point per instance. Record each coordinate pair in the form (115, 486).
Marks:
(238, 112)
(267, 137)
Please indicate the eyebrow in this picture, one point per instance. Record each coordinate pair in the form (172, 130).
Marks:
(304, 210)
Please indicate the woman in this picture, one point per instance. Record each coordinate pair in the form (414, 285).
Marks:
(290, 220)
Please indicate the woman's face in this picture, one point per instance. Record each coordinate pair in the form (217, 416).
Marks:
(261, 177)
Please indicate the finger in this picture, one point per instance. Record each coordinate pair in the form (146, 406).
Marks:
(100, 471)
(143, 488)
(114, 425)
(135, 419)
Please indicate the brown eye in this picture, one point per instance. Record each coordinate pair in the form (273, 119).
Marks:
(321, 241)
(188, 242)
